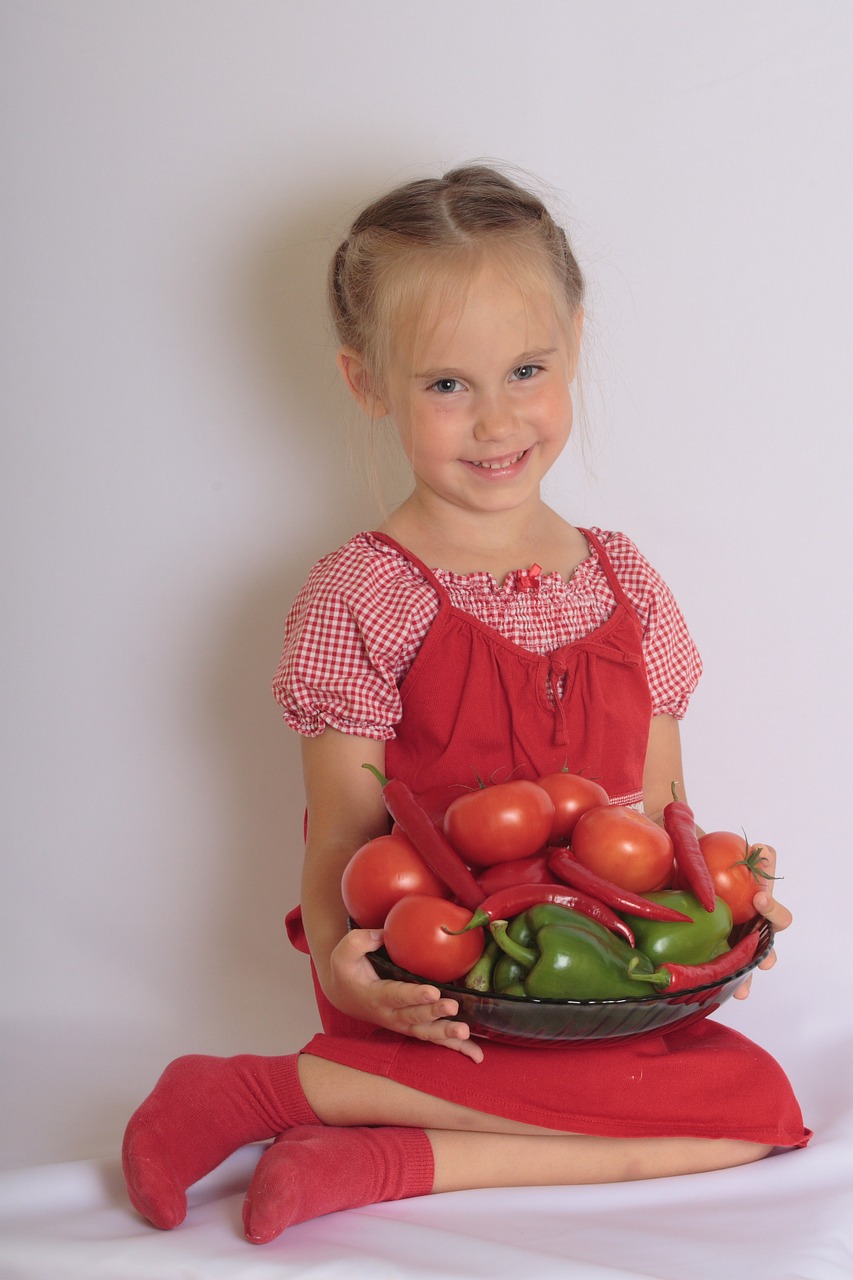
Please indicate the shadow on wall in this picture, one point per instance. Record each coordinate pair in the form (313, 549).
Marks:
(260, 985)
(352, 467)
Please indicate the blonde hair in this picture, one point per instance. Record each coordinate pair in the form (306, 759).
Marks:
(420, 245)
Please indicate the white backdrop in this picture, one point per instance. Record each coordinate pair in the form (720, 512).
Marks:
(175, 174)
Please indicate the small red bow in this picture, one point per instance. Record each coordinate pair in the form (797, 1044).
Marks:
(530, 579)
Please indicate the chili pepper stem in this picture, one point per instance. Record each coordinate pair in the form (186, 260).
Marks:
(479, 919)
(660, 979)
(378, 775)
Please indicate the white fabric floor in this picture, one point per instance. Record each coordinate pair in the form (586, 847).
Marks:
(789, 1218)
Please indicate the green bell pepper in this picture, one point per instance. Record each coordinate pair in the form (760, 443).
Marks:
(696, 942)
(573, 963)
(548, 913)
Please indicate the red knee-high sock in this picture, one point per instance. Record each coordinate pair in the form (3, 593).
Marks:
(201, 1110)
(315, 1170)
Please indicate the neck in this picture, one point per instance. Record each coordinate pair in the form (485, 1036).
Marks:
(497, 542)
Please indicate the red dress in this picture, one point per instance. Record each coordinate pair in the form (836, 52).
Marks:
(474, 699)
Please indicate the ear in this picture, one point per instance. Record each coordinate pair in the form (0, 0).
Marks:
(360, 383)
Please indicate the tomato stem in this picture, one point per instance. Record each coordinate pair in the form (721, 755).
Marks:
(752, 859)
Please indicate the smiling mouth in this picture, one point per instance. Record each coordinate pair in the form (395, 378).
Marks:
(501, 464)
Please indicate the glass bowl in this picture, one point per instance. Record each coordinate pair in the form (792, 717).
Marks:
(523, 1021)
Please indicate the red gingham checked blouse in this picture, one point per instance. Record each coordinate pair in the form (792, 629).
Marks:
(357, 624)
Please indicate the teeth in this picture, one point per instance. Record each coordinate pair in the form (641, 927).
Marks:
(499, 466)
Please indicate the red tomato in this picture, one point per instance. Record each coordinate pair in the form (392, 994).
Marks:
(416, 940)
(500, 823)
(572, 796)
(735, 870)
(625, 847)
(380, 873)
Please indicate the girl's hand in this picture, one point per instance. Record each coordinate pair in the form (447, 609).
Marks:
(409, 1008)
(766, 905)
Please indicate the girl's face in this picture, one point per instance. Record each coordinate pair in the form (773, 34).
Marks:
(482, 400)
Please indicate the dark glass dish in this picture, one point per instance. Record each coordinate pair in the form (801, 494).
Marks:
(523, 1021)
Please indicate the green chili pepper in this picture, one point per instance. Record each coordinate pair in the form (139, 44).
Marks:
(574, 964)
(481, 976)
(695, 942)
(507, 972)
(517, 951)
(521, 930)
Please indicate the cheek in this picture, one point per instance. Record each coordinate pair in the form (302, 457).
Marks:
(431, 431)
(421, 440)
(557, 413)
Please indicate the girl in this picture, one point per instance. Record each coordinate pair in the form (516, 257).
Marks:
(476, 629)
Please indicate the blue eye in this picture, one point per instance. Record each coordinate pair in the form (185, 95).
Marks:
(446, 385)
(525, 372)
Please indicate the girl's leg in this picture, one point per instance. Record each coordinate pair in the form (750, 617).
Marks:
(464, 1161)
(204, 1108)
(316, 1170)
(341, 1096)
(417, 1143)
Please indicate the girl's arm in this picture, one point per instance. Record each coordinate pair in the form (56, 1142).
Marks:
(345, 809)
(663, 767)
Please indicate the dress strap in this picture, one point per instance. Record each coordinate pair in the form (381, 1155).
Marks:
(413, 559)
(609, 572)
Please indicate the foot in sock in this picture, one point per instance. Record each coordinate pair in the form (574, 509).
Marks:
(318, 1169)
(200, 1111)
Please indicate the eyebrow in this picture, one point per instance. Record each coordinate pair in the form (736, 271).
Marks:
(446, 371)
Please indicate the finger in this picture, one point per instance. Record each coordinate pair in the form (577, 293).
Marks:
(452, 1035)
(358, 942)
(417, 1018)
(468, 1048)
(743, 991)
(767, 906)
(415, 997)
(768, 961)
(767, 857)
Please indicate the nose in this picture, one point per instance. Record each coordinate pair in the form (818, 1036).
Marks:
(493, 418)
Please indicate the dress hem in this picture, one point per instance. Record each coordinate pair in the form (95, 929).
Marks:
(414, 1065)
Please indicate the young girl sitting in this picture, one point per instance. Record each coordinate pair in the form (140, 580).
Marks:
(476, 630)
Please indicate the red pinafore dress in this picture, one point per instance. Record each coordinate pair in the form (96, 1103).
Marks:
(474, 700)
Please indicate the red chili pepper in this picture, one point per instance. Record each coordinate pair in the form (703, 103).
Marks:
(510, 902)
(566, 867)
(432, 845)
(684, 977)
(503, 875)
(680, 825)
